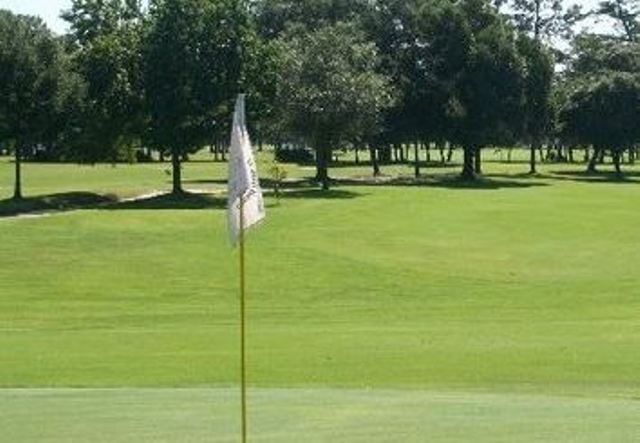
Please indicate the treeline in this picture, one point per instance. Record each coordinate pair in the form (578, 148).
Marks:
(376, 75)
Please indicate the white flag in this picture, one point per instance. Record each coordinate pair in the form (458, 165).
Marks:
(244, 183)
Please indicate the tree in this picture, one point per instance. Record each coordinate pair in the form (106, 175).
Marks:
(542, 19)
(32, 77)
(625, 14)
(193, 66)
(539, 110)
(423, 44)
(108, 39)
(596, 55)
(488, 101)
(261, 64)
(499, 4)
(329, 91)
(91, 19)
(274, 17)
(600, 96)
(461, 75)
(605, 113)
(541, 23)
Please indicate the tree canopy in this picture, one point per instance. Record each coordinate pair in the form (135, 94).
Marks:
(329, 90)
(34, 85)
(107, 39)
(193, 64)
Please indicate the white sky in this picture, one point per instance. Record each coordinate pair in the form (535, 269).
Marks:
(49, 10)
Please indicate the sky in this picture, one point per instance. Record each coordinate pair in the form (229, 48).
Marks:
(49, 10)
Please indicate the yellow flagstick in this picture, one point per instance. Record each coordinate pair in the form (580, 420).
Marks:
(243, 354)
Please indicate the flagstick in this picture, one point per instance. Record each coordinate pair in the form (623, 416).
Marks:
(243, 355)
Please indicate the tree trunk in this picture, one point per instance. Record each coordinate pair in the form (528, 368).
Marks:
(17, 193)
(441, 147)
(357, 148)
(400, 151)
(532, 163)
(616, 161)
(591, 168)
(537, 22)
(416, 153)
(322, 166)
(450, 153)
(374, 161)
(467, 168)
(177, 172)
(478, 160)
(384, 154)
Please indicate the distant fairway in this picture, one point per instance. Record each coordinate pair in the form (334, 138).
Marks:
(505, 312)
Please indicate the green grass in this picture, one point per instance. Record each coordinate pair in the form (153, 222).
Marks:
(313, 415)
(504, 312)
(124, 180)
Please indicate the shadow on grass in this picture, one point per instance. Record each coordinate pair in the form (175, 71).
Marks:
(317, 194)
(53, 203)
(78, 200)
(291, 183)
(191, 201)
(485, 183)
(448, 181)
(497, 161)
(519, 176)
(630, 177)
(183, 201)
(59, 203)
(431, 164)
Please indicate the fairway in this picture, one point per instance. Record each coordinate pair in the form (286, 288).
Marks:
(507, 311)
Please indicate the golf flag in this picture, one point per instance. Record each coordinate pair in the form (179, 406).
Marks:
(244, 183)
